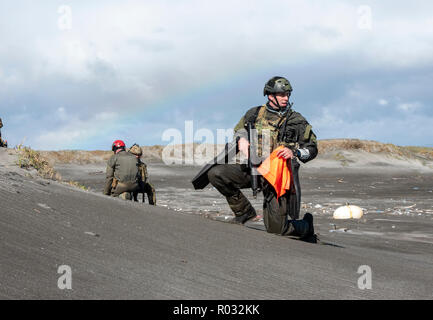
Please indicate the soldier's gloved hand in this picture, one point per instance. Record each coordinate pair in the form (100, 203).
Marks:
(285, 153)
(243, 145)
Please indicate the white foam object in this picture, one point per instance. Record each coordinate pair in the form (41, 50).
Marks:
(348, 212)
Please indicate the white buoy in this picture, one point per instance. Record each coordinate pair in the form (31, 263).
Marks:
(348, 212)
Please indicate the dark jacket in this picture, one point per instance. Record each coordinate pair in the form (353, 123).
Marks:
(290, 129)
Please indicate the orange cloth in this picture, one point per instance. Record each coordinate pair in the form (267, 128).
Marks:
(276, 171)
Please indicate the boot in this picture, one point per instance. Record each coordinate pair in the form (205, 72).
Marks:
(241, 207)
(304, 229)
(310, 236)
(244, 217)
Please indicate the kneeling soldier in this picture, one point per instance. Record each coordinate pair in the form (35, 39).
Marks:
(122, 173)
(143, 177)
(289, 130)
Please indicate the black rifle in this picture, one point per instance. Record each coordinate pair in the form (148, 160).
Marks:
(201, 180)
(253, 159)
(294, 164)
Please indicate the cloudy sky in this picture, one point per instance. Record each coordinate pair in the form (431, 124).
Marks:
(80, 74)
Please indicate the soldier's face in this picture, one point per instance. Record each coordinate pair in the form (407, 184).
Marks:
(282, 98)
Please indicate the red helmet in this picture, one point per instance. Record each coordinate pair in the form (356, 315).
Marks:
(117, 145)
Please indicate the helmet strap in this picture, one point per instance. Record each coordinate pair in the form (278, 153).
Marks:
(276, 102)
(118, 149)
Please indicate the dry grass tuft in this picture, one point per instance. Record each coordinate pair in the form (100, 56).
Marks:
(374, 147)
(76, 156)
(77, 185)
(28, 158)
(423, 151)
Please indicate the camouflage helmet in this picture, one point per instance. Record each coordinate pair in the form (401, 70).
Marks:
(277, 85)
(136, 150)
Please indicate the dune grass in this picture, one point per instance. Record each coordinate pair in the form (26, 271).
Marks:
(29, 158)
(374, 147)
(76, 156)
(77, 185)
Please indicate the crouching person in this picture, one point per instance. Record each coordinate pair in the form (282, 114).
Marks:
(122, 172)
(3, 143)
(143, 178)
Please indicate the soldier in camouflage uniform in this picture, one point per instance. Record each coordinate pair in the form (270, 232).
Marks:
(143, 181)
(122, 173)
(278, 124)
(3, 143)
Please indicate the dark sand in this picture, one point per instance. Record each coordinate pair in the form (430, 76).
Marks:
(125, 250)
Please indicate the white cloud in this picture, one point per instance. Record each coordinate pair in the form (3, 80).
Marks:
(357, 116)
(131, 55)
(415, 129)
(382, 102)
(199, 38)
(73, 131)
(106, 116)
(61, 113)
(409, 106)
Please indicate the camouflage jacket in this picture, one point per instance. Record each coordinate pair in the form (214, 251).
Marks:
(271, 127)
(142, 171)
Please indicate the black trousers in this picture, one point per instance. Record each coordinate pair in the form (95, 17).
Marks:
(228, 179)
(146, 187)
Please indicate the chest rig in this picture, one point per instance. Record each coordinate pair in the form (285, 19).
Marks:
(268, 131)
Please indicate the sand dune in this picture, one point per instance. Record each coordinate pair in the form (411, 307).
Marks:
(332, 153)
